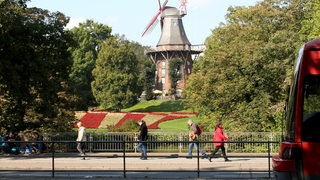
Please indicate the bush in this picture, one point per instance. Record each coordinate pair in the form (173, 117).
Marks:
(127, 126)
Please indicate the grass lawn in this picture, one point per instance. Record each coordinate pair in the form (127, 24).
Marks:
(178, 125)
(159, 106)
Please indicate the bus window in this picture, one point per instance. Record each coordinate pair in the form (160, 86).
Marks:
(291, 104)
(311, 109)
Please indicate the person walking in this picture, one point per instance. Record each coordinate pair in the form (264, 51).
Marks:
(81, 139)
(218, 138)
(193, 137)
(143, 137)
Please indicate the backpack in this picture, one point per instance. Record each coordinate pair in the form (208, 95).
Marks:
(199, 130)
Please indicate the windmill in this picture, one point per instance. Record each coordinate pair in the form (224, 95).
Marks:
(173, 43)
(154, 21)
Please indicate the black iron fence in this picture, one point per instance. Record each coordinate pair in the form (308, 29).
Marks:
(176, 139)
(127, 144)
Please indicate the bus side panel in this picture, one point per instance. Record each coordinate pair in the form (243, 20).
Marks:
(311, 157)
(311, 149)
(312, 58)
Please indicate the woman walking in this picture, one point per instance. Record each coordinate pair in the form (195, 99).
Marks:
(218, 138)
(81, 139)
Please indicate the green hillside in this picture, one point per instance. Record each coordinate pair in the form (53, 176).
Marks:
(159, 106)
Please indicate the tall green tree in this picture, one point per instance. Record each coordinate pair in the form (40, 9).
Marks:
(89, 37)
(311, 23)
(240, 79)
(115, 75)
(174, 74)
(148, 83)
(34, 64)
(145, 68)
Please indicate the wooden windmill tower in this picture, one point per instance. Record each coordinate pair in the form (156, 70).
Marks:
(173, 43)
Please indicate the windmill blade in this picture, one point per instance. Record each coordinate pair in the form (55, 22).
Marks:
(183, 9)
(152, 23)
(150, 28)
(155, 18)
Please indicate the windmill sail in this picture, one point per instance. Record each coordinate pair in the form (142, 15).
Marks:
(154, 21)
(150, 28)
(182, 8)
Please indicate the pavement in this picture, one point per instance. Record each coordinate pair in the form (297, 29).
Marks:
(113, 166)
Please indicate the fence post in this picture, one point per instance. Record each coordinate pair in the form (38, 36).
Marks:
(90, 142)
(198, 161)
(135, 144)
(124, 159)
(180, 144)
(52, 150)
(226, 146)
(269, 158)
(271, 139)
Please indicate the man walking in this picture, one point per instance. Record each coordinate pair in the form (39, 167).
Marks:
(142, 139)
(193, 136)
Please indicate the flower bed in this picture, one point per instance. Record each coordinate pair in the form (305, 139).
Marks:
(130, 116)
(111, 119)
(92, 120)
(96, 119)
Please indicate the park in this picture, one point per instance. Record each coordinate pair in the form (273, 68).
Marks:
(257, 73)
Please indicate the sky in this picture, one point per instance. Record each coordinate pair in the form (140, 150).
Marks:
(130, 17)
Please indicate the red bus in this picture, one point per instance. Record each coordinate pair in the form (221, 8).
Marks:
(299, 154)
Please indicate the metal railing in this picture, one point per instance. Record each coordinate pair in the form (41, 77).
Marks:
(238, 137)
(54, 151)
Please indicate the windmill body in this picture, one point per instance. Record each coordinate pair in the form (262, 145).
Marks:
(173, 43)
(173, 35)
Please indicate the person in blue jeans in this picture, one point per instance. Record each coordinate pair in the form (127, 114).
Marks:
(143, 137)
(193, 136)
(37, 145)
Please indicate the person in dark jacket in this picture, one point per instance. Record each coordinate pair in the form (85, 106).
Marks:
(218, 138)
(143, 137)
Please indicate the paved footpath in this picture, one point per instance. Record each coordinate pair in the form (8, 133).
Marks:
(111, 166)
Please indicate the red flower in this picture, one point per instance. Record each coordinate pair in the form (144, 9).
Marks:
(130, 116)
(92, 120)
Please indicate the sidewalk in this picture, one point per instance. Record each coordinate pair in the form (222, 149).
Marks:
(113, 166)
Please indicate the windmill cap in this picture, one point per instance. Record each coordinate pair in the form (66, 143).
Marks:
(170, 11)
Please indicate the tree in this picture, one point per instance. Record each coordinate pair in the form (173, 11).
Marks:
(115, 75)
(146, 70)
(311, 23)
(174, 74)
(34, 65)
(89, 37)
(149, 75)
(240, 79)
